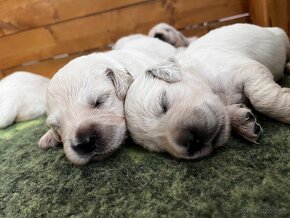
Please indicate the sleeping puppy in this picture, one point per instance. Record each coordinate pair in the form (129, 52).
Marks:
(22, 97)
(187, 105)
(27, 101)
(169, 34)
(85, 98)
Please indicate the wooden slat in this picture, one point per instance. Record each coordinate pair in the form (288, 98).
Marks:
(99, 30)
(16, 15)
(48, 68)
(271, 13)
(25, 46)
(259, 12)
(2, 75)
(201, 30)
(207, 10)
(279, 14)
(44, 68)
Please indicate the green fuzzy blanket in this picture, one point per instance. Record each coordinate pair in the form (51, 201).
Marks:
(239, 180)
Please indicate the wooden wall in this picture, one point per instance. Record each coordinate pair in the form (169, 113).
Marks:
(271, 13)
(42, 35)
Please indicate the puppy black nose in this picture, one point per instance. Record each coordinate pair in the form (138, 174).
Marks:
(160, 36)
(86, 145)
(191, 140)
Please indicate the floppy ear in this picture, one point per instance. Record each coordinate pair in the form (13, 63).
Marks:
(49, 140)
(167, 71)
(121, 80)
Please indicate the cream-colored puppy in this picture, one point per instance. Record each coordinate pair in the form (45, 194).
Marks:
(22, 97)
(169, 34)
(85, 98)
(217, 74)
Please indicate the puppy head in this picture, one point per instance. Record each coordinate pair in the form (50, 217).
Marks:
(169, 34)
(85, 108)
(177, 113)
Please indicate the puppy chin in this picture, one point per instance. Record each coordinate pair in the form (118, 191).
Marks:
(74, 158)
(204, 152)
(81, 160)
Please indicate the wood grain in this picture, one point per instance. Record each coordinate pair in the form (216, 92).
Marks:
(50, 67)
(22, 15)
(99, 30)
(45, 68)
(259, 12)
(275, 13)
(279, 14)
(206, 10)
(201, 30)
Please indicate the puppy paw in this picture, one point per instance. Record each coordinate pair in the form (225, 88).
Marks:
(245, 123)
(48, 141)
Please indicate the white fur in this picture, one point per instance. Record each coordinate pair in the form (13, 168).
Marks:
(74, 89)
(170, 35)
(22, 97)
(224, 67)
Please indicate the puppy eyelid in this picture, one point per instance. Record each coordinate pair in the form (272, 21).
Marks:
(163, 101)
(100, 100)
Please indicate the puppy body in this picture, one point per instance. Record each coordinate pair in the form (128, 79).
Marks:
(238, 68)
(85, 98)
(219, 71)
(22, 97)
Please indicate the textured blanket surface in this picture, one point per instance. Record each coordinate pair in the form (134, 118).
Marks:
(238, 180)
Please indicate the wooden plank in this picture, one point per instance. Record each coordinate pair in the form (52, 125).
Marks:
(45, 68)
(25, 46)
(245, 19)
(206, 10)
(259, 12)
(271, 13)
(201, 30)
(2, 75)
(279, 14)
(22, 15)
(50, 67)
(80, 35)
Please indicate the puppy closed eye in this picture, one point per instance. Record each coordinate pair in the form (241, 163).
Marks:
(163, 101)
(100, 101)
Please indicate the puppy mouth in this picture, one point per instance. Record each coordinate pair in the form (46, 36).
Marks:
(202, 153)
(104, 155)
(84, 159)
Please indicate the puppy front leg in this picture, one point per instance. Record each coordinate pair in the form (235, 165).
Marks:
(48, 140)
(265, 95)
(244, 123)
